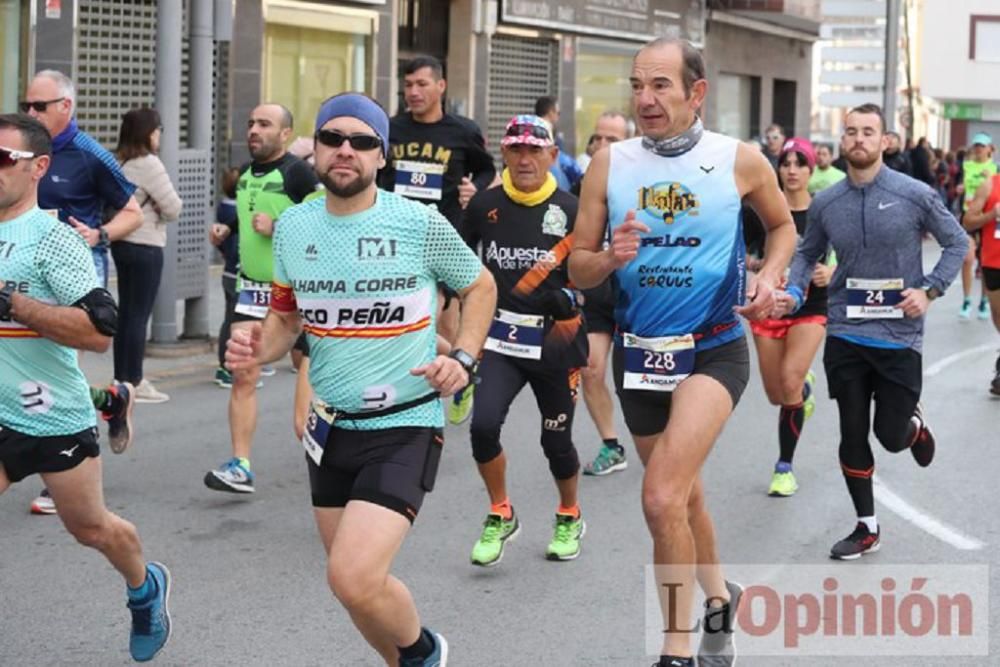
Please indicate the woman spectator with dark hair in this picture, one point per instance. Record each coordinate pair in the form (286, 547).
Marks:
(139, 256)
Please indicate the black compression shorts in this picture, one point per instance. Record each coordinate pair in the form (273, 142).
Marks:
(391, 467)
(647, 412)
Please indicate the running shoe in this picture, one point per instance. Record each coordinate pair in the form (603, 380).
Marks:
(119, 418)
(671, 661)
(43, 504)
(231, 476)
(966, 310)
(924, 443)
(608, 460)
(145, 392)
(223, 378)
(983, 312)
(995, 385)
(461, 405)
(488, 549)
(861, 541)
(809, 404)
(437, 658)
(267, 371)
(717, 648)
(783, 483)
(565, 544)
(151, 619)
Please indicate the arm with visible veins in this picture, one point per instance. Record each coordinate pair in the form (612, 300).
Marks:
(65, 325)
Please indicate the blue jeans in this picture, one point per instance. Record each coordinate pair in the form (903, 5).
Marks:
(139, 269)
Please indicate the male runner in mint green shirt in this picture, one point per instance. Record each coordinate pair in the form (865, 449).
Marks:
(51, 303)
(358, 271)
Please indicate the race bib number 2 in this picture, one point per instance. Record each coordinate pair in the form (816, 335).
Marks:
(517, 335)
(419, 180)
(658, 364)
(874, 299)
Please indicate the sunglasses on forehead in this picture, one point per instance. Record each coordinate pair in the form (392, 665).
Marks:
(359, 141)
(535, 131)
(39, 105)
(9, 157)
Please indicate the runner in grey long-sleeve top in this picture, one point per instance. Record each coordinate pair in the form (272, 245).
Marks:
(878, 297)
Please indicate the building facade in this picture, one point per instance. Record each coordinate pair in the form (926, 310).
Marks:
(960, 69)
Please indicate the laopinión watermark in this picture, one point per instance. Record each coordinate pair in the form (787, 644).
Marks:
(842, 609)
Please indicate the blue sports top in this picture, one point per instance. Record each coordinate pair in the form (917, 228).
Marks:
(83, 180)
(691, 266)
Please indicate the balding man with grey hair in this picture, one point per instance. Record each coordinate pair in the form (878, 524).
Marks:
(611, 126)
(82, 184)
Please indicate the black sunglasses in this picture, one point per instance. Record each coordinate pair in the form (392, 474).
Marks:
(40, 105)
(535, 131)
(9, 157)
(359, 142)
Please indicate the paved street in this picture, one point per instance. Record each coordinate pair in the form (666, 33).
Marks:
(249, 583)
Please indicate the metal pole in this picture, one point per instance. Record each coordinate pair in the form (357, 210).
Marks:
(891, 61)
(200, 132)
(169, 23)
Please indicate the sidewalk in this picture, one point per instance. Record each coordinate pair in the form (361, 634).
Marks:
(195, 358)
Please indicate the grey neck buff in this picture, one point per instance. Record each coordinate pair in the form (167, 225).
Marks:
(674, 146)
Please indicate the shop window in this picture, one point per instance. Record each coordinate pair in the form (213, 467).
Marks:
(602, 84)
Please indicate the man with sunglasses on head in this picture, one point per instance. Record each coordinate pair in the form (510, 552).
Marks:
(774, 140)
(358, 271)
(439, 159)
(273, 181)
(538, 337)
(50, 303)
(83, 183)
(672, 200)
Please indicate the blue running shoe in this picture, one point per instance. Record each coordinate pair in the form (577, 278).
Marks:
(151, 619)
(437, 658)
(231, 476)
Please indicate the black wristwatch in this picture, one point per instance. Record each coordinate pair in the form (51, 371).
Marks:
(6, 302)
(102, 238)
(932, 292)
(468, 362)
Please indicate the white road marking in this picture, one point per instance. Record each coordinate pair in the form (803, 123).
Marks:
(939, 366)
(922, 520)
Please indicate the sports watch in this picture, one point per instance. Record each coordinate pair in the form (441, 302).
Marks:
(6, 302)
(102, 238)
(932, 292)
(468, 362)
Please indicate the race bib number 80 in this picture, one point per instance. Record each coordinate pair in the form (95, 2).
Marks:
(658, 364)
(419, 180)
(874, 299)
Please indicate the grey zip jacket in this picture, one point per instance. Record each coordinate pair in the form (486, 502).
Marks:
(876, 230)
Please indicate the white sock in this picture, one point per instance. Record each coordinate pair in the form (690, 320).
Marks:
(869, 521)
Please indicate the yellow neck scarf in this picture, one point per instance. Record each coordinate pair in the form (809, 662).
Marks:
(529, 198)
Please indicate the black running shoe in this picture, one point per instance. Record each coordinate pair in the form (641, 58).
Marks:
(923, 444)
(119, 417)
(671, 661)
(861, 541)
(717, 648)
(995, 385)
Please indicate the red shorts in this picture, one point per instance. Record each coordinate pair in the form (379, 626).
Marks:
(779, 328)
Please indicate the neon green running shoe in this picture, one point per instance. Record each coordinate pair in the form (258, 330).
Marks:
(608, 460)
(809, 405)
(565, 544)
(783, 484)
(461, 405)
(488, 549)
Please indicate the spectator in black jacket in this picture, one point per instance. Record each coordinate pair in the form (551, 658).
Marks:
(894, 157)
(920, 163)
